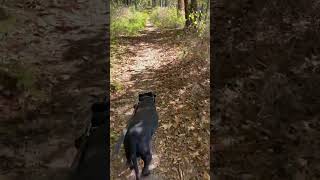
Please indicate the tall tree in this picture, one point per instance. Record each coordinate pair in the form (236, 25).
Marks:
(154, 3)
(187, 13)
(180, 7)
(136, 4)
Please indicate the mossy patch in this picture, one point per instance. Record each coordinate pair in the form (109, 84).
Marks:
(116, 86)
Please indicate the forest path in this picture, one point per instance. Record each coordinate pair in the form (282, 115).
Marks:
(152, 62)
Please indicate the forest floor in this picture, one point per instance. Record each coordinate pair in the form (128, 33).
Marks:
(160, 61)
(62, 43)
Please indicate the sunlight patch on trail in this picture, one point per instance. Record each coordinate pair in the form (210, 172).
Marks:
(146, 56)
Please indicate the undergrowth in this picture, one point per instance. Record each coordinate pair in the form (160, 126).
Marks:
(197, 37)
(116, 86)
(127, 21)
(166, 17)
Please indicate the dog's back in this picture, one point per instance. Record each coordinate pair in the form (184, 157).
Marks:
(146, 117)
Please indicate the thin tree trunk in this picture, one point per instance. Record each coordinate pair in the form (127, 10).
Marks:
(187, 13)
(207, 9)
(180, 7)
(193, 9)
(135, 4)
(154, 3)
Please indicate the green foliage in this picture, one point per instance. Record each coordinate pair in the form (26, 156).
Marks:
(201, 23)
(116, 86)
(127, 21)
(113, 136)
(198, 37)
(164, 17)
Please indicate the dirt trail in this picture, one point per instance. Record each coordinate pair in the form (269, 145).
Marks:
(151, 61)
(64, 41)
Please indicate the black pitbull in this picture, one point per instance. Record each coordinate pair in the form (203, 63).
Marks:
(138, 136)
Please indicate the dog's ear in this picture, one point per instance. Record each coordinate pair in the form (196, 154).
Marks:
(149, 94)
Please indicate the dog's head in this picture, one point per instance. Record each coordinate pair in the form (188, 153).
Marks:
(147, 95)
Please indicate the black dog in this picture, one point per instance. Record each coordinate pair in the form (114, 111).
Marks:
(139, 132)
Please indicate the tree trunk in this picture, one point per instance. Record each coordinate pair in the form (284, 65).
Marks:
(154, 3)
(135, 4)
(187, 13)
(193, 9)
(180, 7)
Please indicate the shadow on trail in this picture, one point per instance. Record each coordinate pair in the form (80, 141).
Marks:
(162, 39)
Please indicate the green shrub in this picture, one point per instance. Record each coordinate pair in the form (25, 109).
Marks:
(116, 86)
(164, 17)
(201, 24)
(127, 21)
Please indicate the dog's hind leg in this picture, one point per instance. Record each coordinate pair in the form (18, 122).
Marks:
(135, 166)
(147, 157)
(131, 155)
(129, 159)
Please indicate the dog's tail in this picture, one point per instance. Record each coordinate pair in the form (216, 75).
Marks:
(119, 142)
(122, 136)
